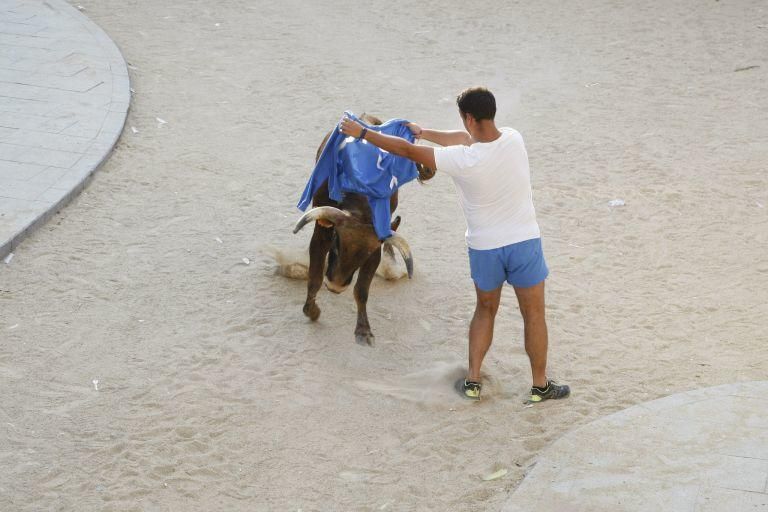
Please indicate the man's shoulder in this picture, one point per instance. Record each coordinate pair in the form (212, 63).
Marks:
(513, 139)
(511, 131)
(456, 152)
(453, 159)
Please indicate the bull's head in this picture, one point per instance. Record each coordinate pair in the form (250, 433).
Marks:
(352, 244)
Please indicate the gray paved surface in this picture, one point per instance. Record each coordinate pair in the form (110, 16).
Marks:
(64, 97)
(701, 451)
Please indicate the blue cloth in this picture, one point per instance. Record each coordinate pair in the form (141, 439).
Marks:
(352, 165)
(521, 264)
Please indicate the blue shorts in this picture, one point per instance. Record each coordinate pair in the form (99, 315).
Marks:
(521, 264)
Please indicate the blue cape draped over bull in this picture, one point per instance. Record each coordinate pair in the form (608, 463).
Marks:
(353, 165)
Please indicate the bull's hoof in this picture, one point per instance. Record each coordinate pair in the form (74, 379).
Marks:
(365, 339)
(312, 311)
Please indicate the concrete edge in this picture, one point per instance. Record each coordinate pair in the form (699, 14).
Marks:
(111, 130)
(641, 409)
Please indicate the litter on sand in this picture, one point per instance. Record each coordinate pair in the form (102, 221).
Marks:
(219, 240)
(8, 259)
(616, 202)
(13, 327)
(95, 384)
(161, 121)
(495, 475)
(134, 130)
(246, 261)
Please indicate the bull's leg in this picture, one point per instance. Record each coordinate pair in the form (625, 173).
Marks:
(318, 250)
(363, 334)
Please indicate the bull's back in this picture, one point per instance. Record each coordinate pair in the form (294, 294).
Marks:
(352, 202)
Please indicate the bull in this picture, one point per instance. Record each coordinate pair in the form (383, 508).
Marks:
(344, 242)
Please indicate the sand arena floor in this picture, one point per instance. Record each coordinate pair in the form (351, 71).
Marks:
(214, 391)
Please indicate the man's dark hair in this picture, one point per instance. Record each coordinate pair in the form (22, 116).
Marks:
(478, 102)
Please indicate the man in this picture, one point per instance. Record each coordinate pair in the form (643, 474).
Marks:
(490, 169)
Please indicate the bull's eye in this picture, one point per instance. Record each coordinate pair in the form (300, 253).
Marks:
(336, 243)
(333, 256)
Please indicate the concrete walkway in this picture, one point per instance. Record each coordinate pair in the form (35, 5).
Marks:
(64, 96)
(701, 451)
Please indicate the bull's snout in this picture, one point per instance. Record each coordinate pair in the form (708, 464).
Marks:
(334, 287)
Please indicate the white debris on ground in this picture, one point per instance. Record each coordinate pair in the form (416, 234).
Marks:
(495, 475)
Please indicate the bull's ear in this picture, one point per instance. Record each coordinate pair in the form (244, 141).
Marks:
(395, 223)
(425, 173)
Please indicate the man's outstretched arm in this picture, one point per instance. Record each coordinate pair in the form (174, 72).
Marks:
(423, 155)
(441, 137)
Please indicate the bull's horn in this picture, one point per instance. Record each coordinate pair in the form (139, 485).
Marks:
(402, 246)
(326, 213)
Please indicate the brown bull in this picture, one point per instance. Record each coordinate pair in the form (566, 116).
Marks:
(344, 234)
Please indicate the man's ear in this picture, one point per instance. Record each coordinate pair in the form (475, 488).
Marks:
(468, 120)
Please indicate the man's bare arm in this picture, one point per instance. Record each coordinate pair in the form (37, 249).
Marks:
(423, 155)
(441, 137)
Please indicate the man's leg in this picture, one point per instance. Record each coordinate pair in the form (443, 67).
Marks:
(481, 329)
(531, 301)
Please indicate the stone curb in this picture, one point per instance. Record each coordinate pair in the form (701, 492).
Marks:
(100, 128)
(697, 451)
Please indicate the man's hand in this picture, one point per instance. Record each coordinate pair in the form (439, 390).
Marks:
(423, 155)
(415, 129)
(350, 127)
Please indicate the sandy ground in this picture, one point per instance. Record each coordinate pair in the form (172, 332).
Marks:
(215, 393)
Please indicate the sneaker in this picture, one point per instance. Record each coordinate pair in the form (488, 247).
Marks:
(468, 389)
(552, 391)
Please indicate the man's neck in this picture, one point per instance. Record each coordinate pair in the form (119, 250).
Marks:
(486, 131)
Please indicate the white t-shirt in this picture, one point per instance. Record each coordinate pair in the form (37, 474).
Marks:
(494, 185)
